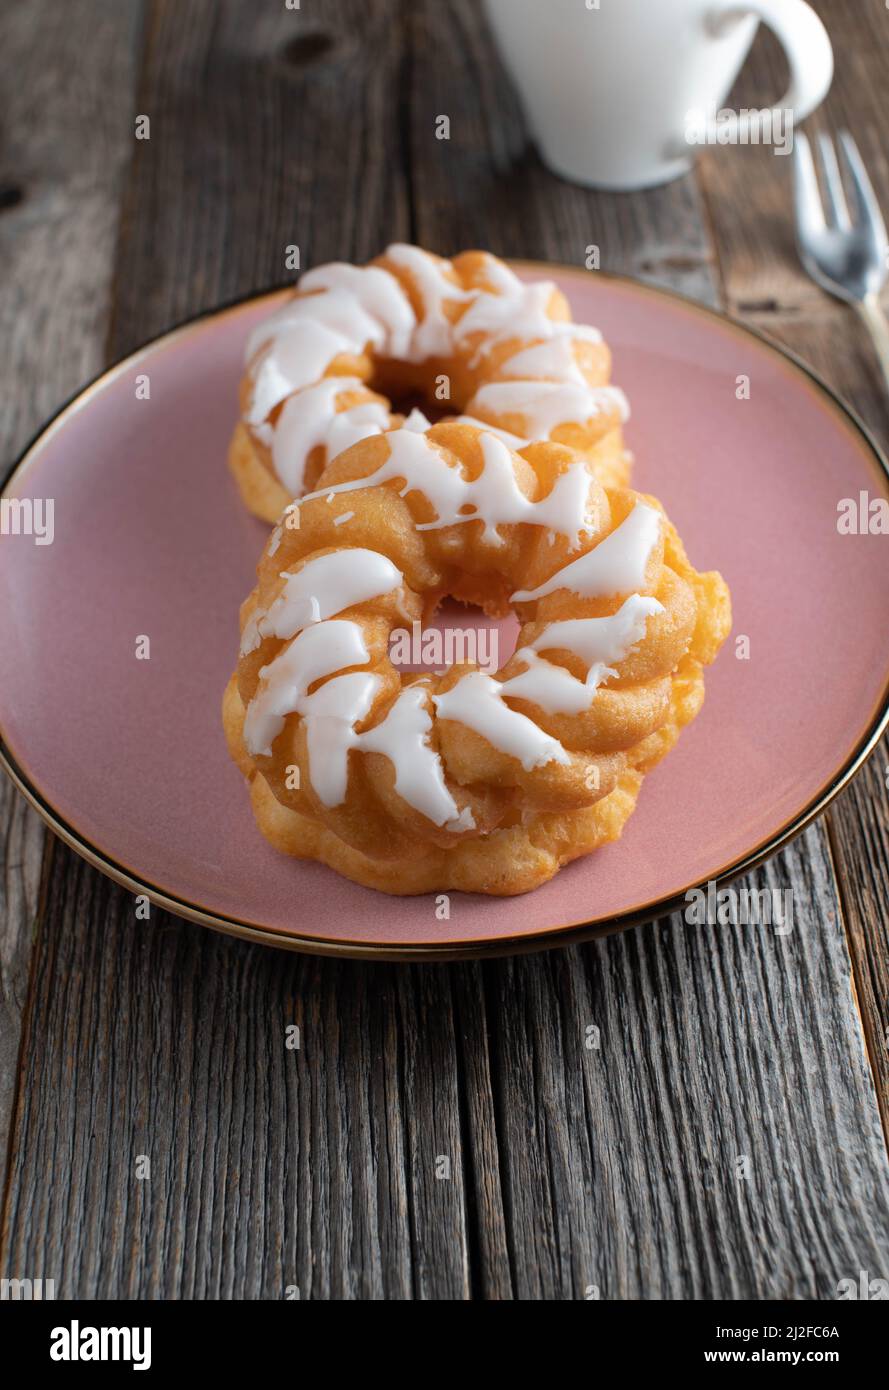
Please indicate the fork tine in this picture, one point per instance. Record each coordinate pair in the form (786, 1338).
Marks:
(865, 199)
(836, 194)
(807, 200)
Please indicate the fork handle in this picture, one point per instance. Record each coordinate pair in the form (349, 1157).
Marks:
(874, 317)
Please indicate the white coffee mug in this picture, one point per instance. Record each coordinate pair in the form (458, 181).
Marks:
(620, 93)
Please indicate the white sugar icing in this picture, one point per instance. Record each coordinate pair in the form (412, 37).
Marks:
(364, 304)
(351, 310)
(512, 441)
(323, 646)
(506, 308)
(551, 687)
(617, 565)
(325, 586)
(341, 309)
(552, 360)
(310, 418)
(296, 357)
(433, 335)
(517, 311)
(495, 495)
(598, 642)
(544, 405)
(377, 295)
(403, 736)
(317, 651)
(330, 715)
(417, 421)
(320, 648)
(476, 701)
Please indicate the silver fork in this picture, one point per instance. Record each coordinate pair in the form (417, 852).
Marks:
(846, 253)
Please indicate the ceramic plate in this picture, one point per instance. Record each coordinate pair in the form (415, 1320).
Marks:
(125, 758)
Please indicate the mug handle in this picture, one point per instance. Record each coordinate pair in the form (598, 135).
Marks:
(809, 54)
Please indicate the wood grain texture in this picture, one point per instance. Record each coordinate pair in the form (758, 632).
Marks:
(721, 1141)
(766, 286)
(272, 1169)
(614, 1168)
(256, 145)
(441, 1132)
(64, 147)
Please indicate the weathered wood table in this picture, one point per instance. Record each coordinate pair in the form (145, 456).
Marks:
(570, 1170)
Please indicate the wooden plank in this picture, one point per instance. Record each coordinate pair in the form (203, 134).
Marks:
(285, 137)
(718, 1047)
(272, 1169)
(21, 857)
(617, 1168)
(63, 151)
(766, 285)
(859, 828)
(321, 1169)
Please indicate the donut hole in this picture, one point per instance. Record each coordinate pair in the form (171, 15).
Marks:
(439, 388)
(455, 634)
(402, 402)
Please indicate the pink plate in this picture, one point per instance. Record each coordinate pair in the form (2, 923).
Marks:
(125, 758)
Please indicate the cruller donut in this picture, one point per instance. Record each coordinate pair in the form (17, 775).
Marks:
(465, 335)
(465, 780)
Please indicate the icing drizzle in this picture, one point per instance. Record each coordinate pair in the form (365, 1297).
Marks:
(403, 736)
(617, 565)
(597, 641)
(326, 584)
(314, 653)
(347, 310)
(476, 700)
(320, 648)
(323, 647)
(310, 418)
(343, 309)
(494, 497)
(544, 405)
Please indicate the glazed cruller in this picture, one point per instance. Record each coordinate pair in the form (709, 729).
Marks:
(466, 336)
(466, 780)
